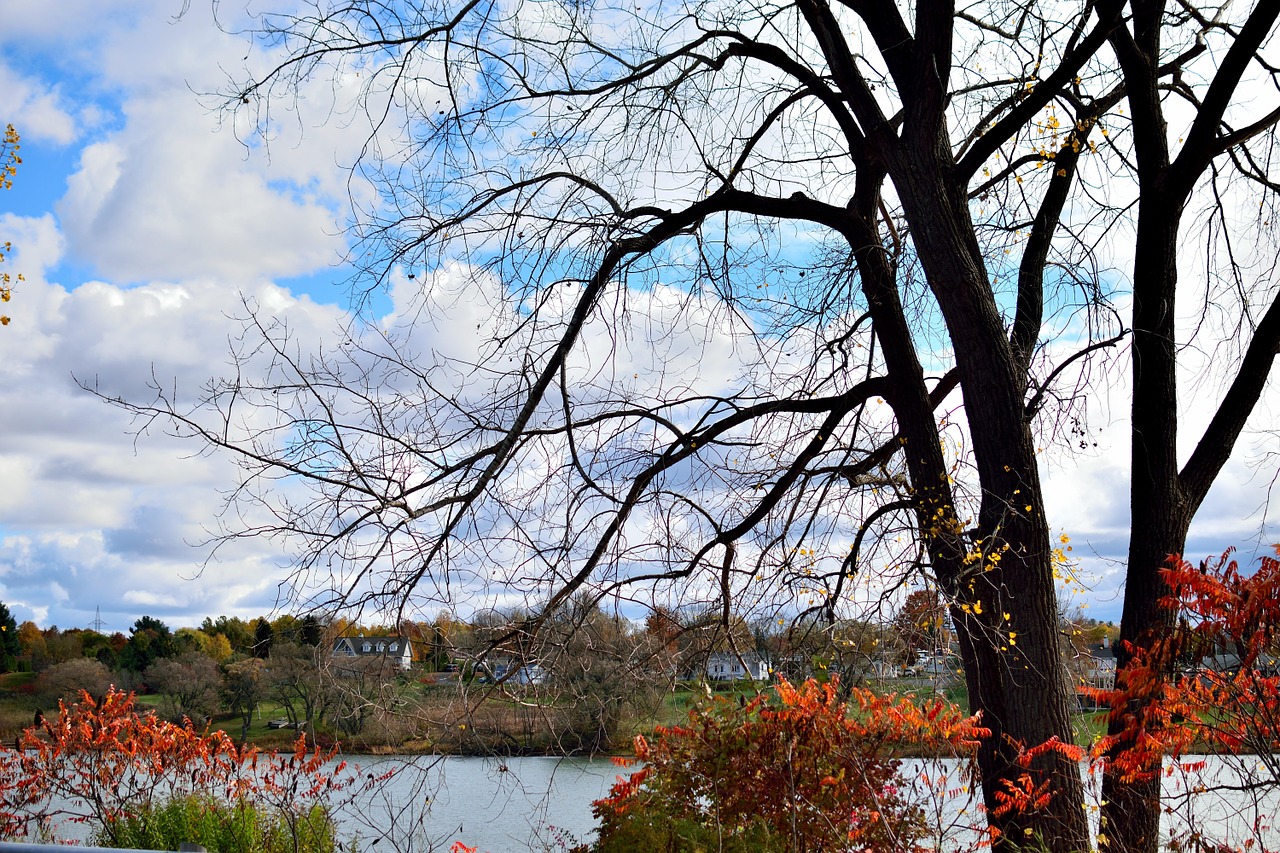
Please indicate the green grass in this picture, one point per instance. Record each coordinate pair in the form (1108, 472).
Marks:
(259, 734)
(15, 680)
(227, 827)
(1088, 726)
(231, 722)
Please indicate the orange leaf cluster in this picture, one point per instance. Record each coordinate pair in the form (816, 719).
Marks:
(101, 761)
(822, 778)
(805, 767)
(1212, 684)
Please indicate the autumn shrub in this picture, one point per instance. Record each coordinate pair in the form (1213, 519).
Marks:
(105, 764)
(66, 681)
(800, 773)
(1226, 617)
(650, 829)
(1209, 686)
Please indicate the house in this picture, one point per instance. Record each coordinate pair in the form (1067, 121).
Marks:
(394, 649)
(1095, 670)
(512, 672)
(1228, 661)
(726, 666)
(1100, 665)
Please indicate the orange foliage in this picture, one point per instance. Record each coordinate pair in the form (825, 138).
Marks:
(822, 780)
(102, 760)
(812, 772)
(1171, 702)
(1026, 793)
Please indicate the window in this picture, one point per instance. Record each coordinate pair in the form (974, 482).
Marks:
(395, 647)
(368, 648)
(382, 647)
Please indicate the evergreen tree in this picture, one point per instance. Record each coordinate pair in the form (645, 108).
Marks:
(312, 631)
(149, 640)
(9, 645)
(263, 634)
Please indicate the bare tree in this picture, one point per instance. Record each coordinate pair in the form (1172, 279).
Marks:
(594, 667)
(297, 679)
(188, 684)
(63, 682)
(244, 687)
(882, 241)
(358, 690)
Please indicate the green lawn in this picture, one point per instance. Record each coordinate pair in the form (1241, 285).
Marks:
(231, 723)
(258, 731)
(14, 680)
(1088, 725)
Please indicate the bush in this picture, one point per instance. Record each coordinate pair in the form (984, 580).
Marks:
(237, 827)
(649, 830)
(66, 681)
(104, 763)
(801, 775)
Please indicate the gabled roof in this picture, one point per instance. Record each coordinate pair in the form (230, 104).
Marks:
(362, 645)
(1102, 651)
(730, 656)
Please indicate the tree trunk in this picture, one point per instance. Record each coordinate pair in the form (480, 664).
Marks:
(1158, 509)
(1016, 675)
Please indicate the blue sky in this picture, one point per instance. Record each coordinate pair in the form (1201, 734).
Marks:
(139, 220)
(142, 221)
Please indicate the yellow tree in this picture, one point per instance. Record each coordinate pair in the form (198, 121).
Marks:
(31, 640)
(9, 162)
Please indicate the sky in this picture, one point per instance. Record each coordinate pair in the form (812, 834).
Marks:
(144, 224)
(141, 223)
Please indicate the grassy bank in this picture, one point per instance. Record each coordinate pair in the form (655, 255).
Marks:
(458, 719)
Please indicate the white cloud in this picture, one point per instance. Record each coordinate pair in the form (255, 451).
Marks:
(168, 198)
(88, 513)
(165, 187)
(37, 111)
(147, 598)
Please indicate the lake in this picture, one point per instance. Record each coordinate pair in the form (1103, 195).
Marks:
(535, 803)
(496, 805)
(511, 805)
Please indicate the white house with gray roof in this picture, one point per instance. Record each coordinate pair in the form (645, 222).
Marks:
(393, 649)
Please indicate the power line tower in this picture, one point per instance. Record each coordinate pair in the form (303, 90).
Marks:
(97, 623)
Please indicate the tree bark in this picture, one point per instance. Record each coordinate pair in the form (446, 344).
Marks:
(1006, 601)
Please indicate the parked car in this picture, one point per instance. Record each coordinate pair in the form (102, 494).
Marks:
(929, 665)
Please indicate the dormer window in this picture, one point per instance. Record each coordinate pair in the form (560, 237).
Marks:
(382, 647)
(395, 646)
(368, 648)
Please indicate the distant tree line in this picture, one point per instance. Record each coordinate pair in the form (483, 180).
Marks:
(597, 667)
